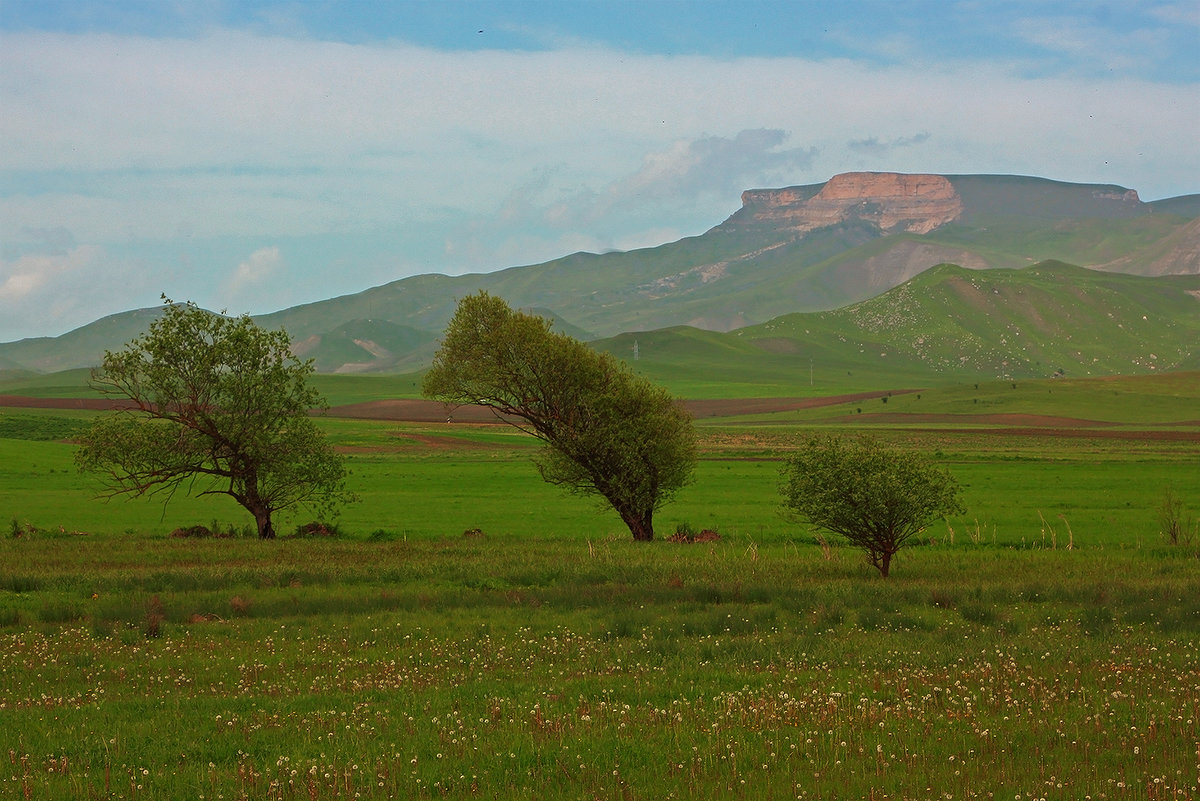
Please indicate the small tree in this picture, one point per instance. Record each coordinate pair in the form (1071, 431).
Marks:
(608, 432)
(217, 400)
(875, 496)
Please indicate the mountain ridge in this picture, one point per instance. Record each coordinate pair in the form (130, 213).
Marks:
(795, 249)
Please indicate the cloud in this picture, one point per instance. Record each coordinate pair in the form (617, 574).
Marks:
(692, 179)
(875, 147)
(261, 266)
(710, 165)
(1178, 13)
(388, 159)
(716, 164)
(1089, 45)
(23, 277)
(49, 293)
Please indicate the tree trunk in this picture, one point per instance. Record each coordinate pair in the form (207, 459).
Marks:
(266, 529)
(885, 561)
(641, 524)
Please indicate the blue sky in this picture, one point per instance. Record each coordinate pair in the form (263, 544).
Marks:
(253, 156)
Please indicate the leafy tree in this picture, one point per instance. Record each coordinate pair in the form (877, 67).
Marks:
(875, 496)
(608, 432)
(216, 400)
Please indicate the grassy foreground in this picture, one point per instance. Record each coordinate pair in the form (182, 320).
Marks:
(143, 667)
(1045, 645)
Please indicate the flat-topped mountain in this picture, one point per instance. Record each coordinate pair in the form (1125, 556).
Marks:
(894, 202)
(794, 249)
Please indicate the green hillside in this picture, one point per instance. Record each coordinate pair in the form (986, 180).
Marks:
(748, 270)
(1049, 319)
(83, 347)
(947, 325)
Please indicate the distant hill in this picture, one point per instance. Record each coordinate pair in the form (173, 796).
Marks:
(947, 325)
(797, 249)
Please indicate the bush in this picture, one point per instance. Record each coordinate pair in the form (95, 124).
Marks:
(189, 532)
(875, 496)
(316, 529)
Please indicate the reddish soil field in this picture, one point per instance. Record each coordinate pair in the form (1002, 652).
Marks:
(95, 404)
(423, 411)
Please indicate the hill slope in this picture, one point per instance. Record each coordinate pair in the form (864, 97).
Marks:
(947, 325)
(797, 249)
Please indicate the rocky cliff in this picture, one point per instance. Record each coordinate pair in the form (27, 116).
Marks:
(893, 202)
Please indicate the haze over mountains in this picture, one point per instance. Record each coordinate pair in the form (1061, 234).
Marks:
(817, 248)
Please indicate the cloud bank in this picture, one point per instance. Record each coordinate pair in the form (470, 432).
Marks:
(166, 161)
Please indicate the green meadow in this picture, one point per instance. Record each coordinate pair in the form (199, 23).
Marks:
(473, 633)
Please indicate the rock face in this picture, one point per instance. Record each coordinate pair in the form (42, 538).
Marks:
(891, 201)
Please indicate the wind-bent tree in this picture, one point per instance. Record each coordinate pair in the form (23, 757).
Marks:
(875, 496)
(608, 432)
(214, 403)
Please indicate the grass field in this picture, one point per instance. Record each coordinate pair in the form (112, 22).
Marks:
(473, 633)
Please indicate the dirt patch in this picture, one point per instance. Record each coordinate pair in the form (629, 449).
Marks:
(423, 411)
(412, 410)
(91, 404)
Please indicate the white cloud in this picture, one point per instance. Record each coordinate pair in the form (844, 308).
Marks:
(875, 147)
(49, 293)
(22, 278)
(224, 141)
(1088, 44)
(261, 266)
(716, 167)
(1178, 13)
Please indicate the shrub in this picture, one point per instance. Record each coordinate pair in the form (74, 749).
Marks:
(1175, 526)
(875, 496)
(199, 532)
(316, 529)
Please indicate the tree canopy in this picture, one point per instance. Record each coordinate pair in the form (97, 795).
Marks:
(876, 496)
(608, 432)
(215, 403)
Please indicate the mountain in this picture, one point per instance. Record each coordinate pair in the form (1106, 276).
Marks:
(949, 324)
(795, 249)
(83, 347)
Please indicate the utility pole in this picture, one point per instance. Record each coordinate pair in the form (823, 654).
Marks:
(636, 351)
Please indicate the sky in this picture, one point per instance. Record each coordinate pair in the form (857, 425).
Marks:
(252, 156)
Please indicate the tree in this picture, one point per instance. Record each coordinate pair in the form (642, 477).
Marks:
(875, 496)
(217, 400)
(607, 431)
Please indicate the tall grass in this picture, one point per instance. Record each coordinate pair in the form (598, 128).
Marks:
(471, 667)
